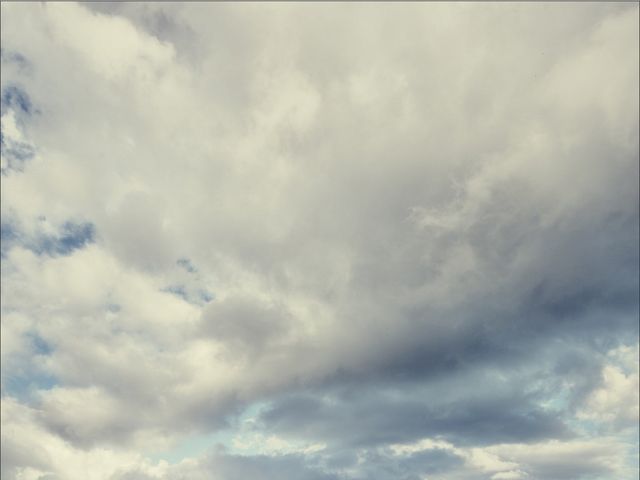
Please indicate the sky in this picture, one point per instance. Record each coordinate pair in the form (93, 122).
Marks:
(287, 241)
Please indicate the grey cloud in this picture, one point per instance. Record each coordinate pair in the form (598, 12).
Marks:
(400, 417)
(223, 466)
(147, 242)
(266, 467)
(416, 221)
(244, 324)
(17, 456)
(433, 462)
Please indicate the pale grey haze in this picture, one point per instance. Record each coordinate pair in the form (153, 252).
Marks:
(287, 241)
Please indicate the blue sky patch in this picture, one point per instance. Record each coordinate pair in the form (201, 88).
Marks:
(23, 386)
(74, 236)
(8, 237)
(178, 290)
(206, 296)
(16, 98)
(113, 308)
(71, 236)
(15, 155)
(23, 382)
(186, 264)
(15, 149)
(40, 346)
(7, 56)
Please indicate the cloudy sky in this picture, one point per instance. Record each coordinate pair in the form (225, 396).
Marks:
(320, 241)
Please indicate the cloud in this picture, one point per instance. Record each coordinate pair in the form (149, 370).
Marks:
(615, 401)
(367, 227)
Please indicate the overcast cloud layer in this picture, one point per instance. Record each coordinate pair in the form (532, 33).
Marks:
(320, 241)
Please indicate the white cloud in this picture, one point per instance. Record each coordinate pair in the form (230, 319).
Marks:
(350, 184)
(554, 459)
(616, 402)
(32, 452)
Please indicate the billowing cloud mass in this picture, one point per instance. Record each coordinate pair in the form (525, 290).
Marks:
(320, 241)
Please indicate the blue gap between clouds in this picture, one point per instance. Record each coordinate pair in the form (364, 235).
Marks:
(16, 98)
(22, 383)
(7, 56)
(71, 236)
(15, 152)
(196, 445)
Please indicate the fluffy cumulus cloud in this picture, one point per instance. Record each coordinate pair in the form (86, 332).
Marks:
(319, 241)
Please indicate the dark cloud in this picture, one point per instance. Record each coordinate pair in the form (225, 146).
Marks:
(383, 466)
(265, 467)
(368, 417)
